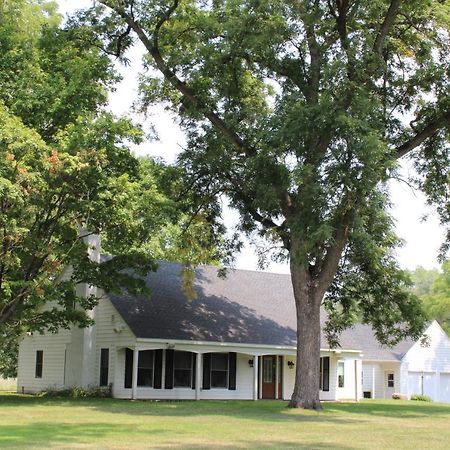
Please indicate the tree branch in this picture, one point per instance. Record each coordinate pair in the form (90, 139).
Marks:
(171, 77)
(429, 130)
(386, 26)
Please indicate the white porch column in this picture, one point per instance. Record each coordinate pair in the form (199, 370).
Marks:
(135, 371)
(261, 359)
(198, 376)
(255, 377)
(277, 376)
(373, 381)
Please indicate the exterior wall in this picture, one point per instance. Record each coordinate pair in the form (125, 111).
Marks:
(352, 377)
(53, 368)
(430, 361)
(72, 357)
(111, 333)
(351, 390)
(375, 381)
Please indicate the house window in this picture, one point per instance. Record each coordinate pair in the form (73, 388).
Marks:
(267, 370)
(104, 366)
(145, 368)
(39, 363)
(324, 380)
(340, 372)
(219, 370)
(390, 380)
(182, 369)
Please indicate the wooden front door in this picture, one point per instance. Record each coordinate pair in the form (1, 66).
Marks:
(268, 376)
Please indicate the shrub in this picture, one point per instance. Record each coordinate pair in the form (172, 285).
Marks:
(421, 398)
(79, 392)
(398, 396)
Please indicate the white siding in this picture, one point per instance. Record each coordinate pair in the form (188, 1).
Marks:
(432, 358)
(379, 370)
(352, 377)
(349, 389)
(53, 347)
(427, 365)
(113, 333)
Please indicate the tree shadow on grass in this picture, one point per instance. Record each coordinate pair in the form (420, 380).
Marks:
(45, 435)
(57, 435)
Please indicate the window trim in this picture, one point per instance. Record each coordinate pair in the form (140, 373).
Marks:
(388, 380)
(39, 364)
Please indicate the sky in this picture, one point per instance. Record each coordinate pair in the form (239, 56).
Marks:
(422, 238)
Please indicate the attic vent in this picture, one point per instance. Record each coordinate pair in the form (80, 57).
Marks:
(119, 328)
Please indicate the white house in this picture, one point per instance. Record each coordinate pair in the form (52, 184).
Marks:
(236, 340)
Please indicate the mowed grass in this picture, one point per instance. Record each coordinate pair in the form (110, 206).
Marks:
(33, 422)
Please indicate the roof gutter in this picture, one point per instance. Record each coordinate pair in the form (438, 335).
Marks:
(170, 342)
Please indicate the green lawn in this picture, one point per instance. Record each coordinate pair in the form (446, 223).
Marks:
(27, 421)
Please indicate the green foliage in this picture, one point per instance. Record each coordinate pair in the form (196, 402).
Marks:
(298, 112)
(421, 398)
(433, 288)
(65, 167)
(78, 392)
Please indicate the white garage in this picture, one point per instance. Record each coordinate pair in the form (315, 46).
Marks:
(422, 383)
(444, 388)
(411, 367)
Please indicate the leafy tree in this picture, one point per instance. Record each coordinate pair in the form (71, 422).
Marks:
(433, 288)
(65, 168)
(298, 111)
(422, 280)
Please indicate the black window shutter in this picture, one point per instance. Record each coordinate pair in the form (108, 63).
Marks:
(128, 368)
(194, 369)
(326, 373)
(207, 371)
(232, 371)
(157, 377)
(169, 369)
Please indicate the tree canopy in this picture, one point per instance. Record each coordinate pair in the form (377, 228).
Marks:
(66, 171)
(433, 288)
(299, 111)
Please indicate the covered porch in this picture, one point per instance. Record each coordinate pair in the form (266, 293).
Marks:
(151, 371)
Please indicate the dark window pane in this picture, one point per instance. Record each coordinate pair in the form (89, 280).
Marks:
(219, 378)
(390, 380)
(145, 368)
(146, 359)
(104, 366)
(145, 377)
(39, 363)
(183, 360)
(219, 361)
(182, 378)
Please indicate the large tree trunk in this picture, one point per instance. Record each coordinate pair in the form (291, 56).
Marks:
(307, 303)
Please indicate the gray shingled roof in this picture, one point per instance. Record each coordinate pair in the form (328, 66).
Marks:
(246, 307)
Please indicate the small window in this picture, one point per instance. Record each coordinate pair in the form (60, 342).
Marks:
(219, 370)
(268, 370)
(390, 380)
(324, 372)
(182, 369)
(39, 363)
(104, 366)
(340, 372)
(145, 368)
